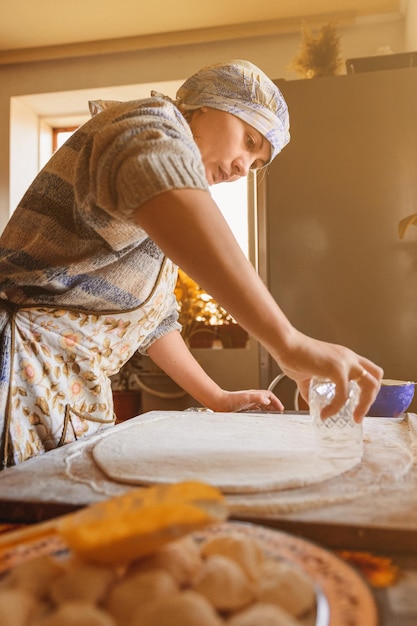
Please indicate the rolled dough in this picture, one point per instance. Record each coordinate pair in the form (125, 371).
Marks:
(235, 452)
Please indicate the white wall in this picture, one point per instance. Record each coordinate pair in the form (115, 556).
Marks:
(24, 149)
(45, 146)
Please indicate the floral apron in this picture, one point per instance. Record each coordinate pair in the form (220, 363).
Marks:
(55, 365)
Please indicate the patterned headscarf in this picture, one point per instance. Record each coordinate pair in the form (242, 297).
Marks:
(241, 88)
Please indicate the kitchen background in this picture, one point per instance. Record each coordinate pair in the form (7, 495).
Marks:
(337, 191)
(329, 212)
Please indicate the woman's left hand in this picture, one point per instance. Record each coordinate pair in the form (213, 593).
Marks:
(174, 358)
(248, 399)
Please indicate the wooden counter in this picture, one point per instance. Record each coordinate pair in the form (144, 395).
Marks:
(44, 487)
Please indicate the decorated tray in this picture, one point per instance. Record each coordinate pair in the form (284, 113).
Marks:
(343, 597)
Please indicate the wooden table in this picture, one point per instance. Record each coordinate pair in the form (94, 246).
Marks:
(41, 488)
(384, 522)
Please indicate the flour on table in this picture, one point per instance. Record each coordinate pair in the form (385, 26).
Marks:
(239, 453)
(390, 451)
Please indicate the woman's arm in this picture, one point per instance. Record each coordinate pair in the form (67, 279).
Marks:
(189, 227)
(171, 354)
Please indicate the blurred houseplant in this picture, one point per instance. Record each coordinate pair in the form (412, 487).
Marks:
(142, 386)
(319, 55)
(204, 322)
(405, 224)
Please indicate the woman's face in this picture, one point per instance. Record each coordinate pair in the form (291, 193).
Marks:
(229, 146)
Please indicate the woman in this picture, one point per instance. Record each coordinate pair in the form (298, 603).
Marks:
(88, 261)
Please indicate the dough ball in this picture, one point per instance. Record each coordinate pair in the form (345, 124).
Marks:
(186, 608)
(34, 576)
(263, 615)
(243, 549)
(16, 607)
(284, 585)
(223, 582)
(85, 582)
(77, 614)
(138, 590)
(180, 558)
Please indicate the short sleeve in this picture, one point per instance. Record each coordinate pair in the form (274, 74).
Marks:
(141, 150)
(168, 324)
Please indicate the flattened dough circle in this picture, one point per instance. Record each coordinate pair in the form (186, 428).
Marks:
(235, 452)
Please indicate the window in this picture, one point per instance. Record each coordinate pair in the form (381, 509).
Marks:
(60, 135)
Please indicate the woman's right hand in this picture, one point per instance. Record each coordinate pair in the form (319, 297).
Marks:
(306, 357)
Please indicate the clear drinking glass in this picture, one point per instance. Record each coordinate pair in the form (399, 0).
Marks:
(338, 436)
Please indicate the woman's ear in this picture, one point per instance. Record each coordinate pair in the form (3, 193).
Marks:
(199, 112)
(191, 115)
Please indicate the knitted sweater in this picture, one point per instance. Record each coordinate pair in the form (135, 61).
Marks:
(72, 241)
